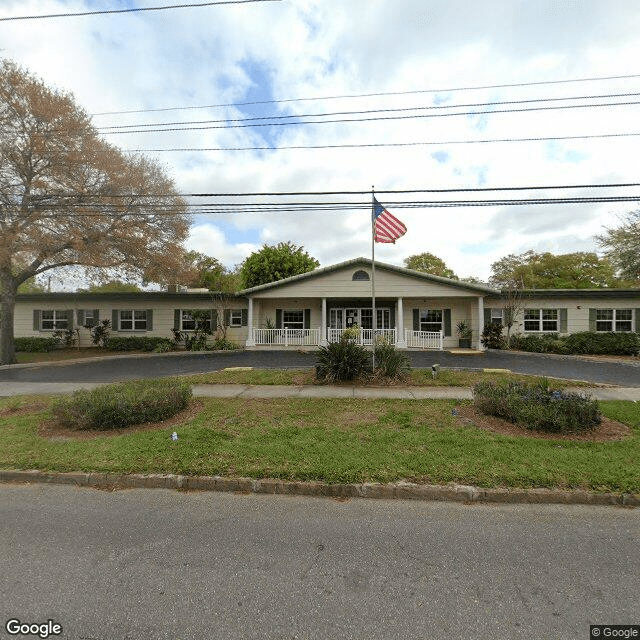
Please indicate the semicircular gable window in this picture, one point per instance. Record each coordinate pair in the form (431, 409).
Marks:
(360, 275)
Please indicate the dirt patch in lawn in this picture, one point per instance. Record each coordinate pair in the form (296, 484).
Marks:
(51, 430)
(609, 430)
(22, 410)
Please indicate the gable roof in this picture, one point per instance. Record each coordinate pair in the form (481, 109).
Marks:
(366, 262)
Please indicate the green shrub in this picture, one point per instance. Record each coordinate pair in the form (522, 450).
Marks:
(343, 361)
(391, 364)
(608, 343)
(100, 333)
(135, 343)
(120, 405)
(585, 342)
(535, 406)
(492, 337)
(223, 344)
(536, 343)
(36, 343)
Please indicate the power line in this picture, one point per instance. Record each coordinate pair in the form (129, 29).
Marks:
(389, 144)
(370, 95)
(611, 185)
(368, 111)
(106, 11)
(378, 118)
(279, 208)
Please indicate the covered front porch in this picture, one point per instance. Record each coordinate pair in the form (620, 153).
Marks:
(406, 323)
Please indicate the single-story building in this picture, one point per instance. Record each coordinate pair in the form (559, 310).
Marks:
(413, 309)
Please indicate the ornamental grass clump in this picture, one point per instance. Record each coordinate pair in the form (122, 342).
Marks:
(343, 361)
(120, 405)
(537, 407)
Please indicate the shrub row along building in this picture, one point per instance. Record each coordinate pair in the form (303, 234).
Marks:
(413, 310)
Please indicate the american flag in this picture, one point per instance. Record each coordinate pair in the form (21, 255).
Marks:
(386, 228)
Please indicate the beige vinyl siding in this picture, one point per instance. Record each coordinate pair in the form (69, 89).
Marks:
(163, 316)
(577, 309)
(339, 284)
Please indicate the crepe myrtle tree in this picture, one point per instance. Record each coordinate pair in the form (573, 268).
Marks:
(68, 198)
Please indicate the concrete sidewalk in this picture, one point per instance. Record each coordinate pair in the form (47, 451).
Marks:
(309, 391)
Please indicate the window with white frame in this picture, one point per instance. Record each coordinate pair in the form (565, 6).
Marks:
(541, 320)
(496, 316)
(293, 319)
(53, 320)
(431, 319)
(614, 319)
(89, 318)
(235, 318)
(132, 320)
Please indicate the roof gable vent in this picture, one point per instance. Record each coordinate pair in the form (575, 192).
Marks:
(360, 275)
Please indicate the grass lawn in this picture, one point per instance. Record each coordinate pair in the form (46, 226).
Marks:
(337, 440)
(417, 377)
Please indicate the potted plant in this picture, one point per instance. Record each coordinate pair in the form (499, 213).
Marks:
(464, 334)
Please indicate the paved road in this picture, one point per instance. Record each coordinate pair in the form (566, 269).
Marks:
(130, 367)
(154, 564)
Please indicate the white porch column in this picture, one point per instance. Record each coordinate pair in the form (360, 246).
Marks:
(250, 341)
(400, 341)
(323, 323)
(480, 321)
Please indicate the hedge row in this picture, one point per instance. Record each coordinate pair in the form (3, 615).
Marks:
(137, 343)
(36, 344)
(585, 342)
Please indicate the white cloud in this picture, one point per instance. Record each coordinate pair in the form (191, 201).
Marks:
(330, 47)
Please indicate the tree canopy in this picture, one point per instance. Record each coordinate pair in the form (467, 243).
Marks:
(428, 263)
(274, 262)
(207, 272)
(69, 198)
(111, 286)
(531, 270)
(622, 246)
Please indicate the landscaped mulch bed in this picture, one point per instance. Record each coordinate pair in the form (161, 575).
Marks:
(609, 430)
(53, 431)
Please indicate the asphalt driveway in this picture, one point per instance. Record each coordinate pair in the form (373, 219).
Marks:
(161, 365)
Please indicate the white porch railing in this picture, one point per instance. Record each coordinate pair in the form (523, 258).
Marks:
(364, 335)
(287, 337)
(423, 339)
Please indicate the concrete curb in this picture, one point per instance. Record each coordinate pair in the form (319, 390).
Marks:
(396, 490)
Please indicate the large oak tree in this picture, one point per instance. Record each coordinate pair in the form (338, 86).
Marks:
(275, 262)
(531, 270)
(69, 198)
(622, 246)
(428, 263)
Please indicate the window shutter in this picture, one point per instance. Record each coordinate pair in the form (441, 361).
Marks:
(278, 318)
(392, 318)
(149, 319)
(637, 320)
(96, 317)
(36, 319)
(245, 317)
(563, 320)
(487, 315)
(80, 315)
(177, 314)
(214, 320)
(416, 319)
(69, 315)
(227, 317)
(307, 319)
(447, 322)
(115, 326)
(592, 319)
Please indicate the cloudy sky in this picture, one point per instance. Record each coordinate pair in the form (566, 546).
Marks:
(300, 54)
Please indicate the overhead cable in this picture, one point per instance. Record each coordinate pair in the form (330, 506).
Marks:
(368, 111)
(370, 95)
(106, 11)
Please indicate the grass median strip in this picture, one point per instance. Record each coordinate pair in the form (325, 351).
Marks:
(417, 377)
(341, 440)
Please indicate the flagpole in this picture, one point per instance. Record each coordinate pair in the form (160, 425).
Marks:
(373, 278)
